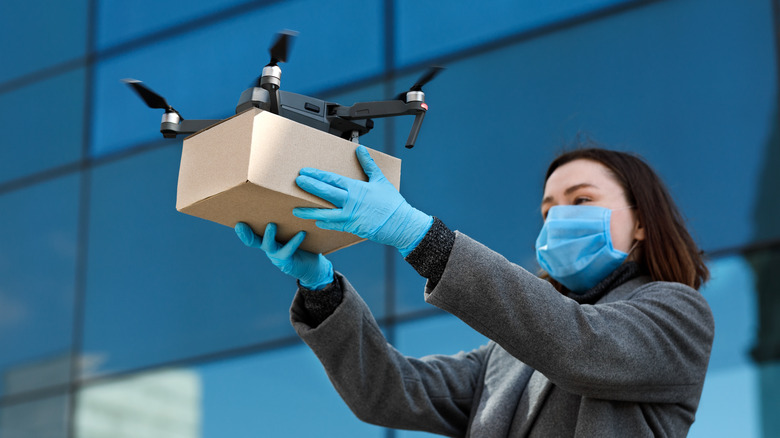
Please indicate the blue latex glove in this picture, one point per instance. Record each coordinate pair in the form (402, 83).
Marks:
(313, 271)
(373, 210)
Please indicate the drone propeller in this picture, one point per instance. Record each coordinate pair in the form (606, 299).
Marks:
(430, 74)
(282, 45)
(279, 52)
(424, 79)
(152, 99)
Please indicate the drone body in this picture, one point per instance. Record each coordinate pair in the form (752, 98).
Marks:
(346, 122)
(309, 111)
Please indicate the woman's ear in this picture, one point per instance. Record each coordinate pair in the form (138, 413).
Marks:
(639, 231)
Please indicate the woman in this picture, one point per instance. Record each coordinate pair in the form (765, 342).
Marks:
(613, 341)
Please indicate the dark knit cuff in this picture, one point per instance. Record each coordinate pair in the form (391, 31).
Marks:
(623, 273)
(430, 257)
(320, 304)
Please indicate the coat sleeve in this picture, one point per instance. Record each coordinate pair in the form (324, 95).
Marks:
(382, 386)
(651, 346)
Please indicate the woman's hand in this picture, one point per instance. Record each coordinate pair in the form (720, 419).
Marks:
(373, 210)
(313, 271)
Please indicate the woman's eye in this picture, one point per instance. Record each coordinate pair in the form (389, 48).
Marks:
(580, 199)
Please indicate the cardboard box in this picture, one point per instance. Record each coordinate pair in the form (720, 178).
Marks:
(243, 169)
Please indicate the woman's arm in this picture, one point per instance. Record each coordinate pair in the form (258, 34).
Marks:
(379, 384)
(653, 345)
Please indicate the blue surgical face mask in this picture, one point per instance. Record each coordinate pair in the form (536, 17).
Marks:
(575, 246)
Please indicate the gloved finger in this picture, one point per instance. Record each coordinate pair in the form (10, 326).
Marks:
(369, 166)
(289, 248)
(270, 245)
(247, 236)
(327, 214)
(330, 225)
(335, 195)
(331, 178)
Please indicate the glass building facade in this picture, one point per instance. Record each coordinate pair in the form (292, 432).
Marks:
(120, 317)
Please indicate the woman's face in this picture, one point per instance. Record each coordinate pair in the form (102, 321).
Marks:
(587, 182)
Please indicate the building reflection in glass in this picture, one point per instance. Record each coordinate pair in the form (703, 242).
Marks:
(165, 403)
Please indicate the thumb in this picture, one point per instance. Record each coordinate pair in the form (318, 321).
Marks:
(372, 171)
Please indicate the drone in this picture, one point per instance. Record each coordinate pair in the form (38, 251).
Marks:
(348, 122)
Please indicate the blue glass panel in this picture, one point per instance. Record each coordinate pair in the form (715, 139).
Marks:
(740, 395)
(118, 22)
(47, 417)
(36, 34)
(440, 334)
(42, 125)
(731, 293)
(278, 393)
(463, 24)
(37, 271)
(281, 393)
(203, 73)
(164, 285)
(730, 404)
(480, 160)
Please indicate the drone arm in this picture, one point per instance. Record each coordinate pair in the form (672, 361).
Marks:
(171, 129)
(365, 110)
(387, 108)
(418, 119)
(273, 94)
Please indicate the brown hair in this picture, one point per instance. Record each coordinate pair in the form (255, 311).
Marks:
(668, 252)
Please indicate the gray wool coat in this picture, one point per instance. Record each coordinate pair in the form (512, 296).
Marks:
(632, 365)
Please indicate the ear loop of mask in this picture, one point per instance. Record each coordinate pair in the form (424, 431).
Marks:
(636, 242)
(633, 247)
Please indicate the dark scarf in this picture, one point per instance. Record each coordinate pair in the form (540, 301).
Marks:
(622, 274)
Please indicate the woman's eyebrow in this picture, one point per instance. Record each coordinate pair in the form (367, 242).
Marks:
(569, 191)
(573, 189)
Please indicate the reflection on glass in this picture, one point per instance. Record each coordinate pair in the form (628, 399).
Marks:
(731, 294)
(162, 285)
(740, 396)
(27, 28)
(454, 30)
(42, 125)
(37, 374)
(282, 392)
(766, 215)
(118, 23)
(47, 417)
(769, 373)
(440, 334)
(729, 403)
(766, 350)
(37, 274)
(206, 70)
(165, 403)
